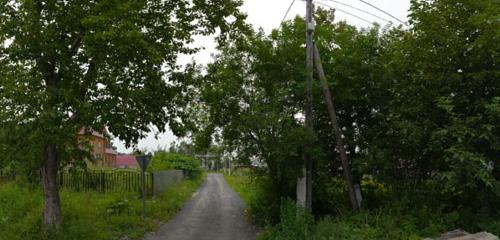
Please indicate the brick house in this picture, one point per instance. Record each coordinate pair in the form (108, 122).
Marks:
(103, 153)
(126, 161)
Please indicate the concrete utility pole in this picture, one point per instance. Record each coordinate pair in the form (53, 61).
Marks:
(304, 184)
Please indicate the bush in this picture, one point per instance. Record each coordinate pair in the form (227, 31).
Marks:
(394, 216)
(263, 204)
(167, 161)
(386, 223)
(296, 223)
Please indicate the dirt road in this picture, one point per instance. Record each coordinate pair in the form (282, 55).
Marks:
(214, 212)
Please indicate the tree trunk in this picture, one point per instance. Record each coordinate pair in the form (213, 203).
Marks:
(338, 134)
(52, 206)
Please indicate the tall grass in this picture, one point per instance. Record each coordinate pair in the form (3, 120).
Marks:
(262, 207)
(395, 219)
(88, 215)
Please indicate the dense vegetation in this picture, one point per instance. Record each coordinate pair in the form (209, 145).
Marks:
(398, 218)
(419, 107)
(88, 215)
(68, 65)
(166, 160)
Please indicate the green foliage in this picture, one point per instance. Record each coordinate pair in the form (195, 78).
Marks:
(166, 161)
(263, 204)
(440, 112)
(68, 65)
(296, 223)
(397, 220)
(418, 107)
(382, 224)
(107, 67)
(397, 216)
(388, 223)
(88, 215)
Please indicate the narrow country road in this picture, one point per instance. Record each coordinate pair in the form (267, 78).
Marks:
(215, 212)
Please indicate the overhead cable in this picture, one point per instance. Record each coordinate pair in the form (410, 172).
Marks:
(381, 10)
(346, 12)
(287, 11)
(359, 9)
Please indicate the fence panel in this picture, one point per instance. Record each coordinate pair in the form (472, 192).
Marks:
(105, 181)
(164, 179)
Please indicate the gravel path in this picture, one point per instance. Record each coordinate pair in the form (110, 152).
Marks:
(214, 212)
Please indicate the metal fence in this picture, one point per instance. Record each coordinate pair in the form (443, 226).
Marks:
(4, 177)
(110, 181)
(105, 181)
(165, 179)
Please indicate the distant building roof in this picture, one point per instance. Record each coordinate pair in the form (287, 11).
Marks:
(93, 132)
(110, 151)
(125, 160)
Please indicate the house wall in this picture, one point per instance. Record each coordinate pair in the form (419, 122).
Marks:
(98, 147)
(109, 160)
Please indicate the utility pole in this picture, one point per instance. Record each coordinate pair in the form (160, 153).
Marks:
(304, 184)
(354, 196)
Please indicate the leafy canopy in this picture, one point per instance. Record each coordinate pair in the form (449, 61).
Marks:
(69, 64)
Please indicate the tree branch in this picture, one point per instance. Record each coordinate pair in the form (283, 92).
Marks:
(74, 46)
(88, 77)
(91, 72)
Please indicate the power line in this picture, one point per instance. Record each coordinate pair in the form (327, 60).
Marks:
(346, 12)
(287, 11)
(381, 10)
(359, 9)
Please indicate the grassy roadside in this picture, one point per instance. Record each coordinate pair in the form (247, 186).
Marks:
(394, 220)
(243, 186)
(89, 215)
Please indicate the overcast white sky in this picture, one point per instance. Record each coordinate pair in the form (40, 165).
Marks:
(267, 14)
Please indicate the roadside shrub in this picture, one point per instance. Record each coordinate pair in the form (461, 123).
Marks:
(263, 204)
(296, 223)
(166, 161)
(392, 222)
(385, 223)
(264, 207)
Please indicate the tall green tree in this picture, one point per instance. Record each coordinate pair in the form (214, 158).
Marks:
(65, 65)
(253, 112)
(254, 96)
(447, 97)
(418, 107)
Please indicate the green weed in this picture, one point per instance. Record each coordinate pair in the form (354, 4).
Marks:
(88, 215)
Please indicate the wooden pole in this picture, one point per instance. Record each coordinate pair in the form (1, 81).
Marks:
(338, 134)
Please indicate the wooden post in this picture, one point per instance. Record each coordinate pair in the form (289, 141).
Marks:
(143, 180)
(338, 134)
(102, 183)
(152, 183)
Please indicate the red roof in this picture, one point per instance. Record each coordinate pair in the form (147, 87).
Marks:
(125, 160)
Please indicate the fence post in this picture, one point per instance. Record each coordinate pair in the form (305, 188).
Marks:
(61, 179)
(103, 184)
(152, 184)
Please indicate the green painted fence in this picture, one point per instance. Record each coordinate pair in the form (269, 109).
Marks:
(105, 181)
